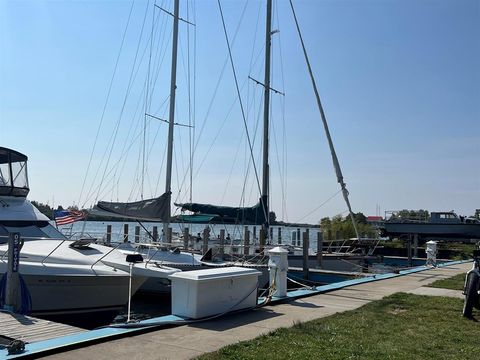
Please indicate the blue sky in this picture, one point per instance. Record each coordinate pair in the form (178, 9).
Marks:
(399, 81)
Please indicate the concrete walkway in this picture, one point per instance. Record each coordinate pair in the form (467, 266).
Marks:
(185, 342)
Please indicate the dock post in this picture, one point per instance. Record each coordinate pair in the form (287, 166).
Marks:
(415, 245)
(169, 235)
(254, 234)
(12, 293)
(246, 241)
(206, 235)
(155, 234)
(262, 240)
(305, 254)
(277, 267)
(279, 235)
(298, 238)
(409, 250)
(319, 249)
(125, 233)
(222, 243)
(137, 234)
(109, 235)
(186, 238)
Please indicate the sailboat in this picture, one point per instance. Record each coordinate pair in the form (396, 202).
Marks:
(259, 213)
(59, 276)
(159, 209)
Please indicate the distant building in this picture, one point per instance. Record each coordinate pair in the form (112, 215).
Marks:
(375, 221)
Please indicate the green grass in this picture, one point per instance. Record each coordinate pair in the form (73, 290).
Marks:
(455, 283)
(401, 326)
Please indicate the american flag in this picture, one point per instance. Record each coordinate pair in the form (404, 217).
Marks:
(64, 217)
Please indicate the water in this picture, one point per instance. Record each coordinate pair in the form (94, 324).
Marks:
(98, 230)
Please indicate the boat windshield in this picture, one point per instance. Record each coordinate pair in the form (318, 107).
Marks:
(29, 231)
(13, 173)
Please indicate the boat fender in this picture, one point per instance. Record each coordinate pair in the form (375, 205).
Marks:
(16, 347)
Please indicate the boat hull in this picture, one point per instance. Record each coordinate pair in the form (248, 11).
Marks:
(55, 290)
(463, 231)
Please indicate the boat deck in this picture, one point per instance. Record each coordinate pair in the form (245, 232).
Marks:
(30, 329)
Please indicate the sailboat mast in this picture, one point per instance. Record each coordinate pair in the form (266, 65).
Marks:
(266, 113)
(171, 119)
(336, 164)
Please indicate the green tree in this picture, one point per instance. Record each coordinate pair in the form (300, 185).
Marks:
(45, 209)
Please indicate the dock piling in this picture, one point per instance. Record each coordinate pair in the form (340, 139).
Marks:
(137, 234)
(409, 250)
(262, 240)
(206, 235)
(415, 245)
(186, 238)
(305, 254)
(319, 249)
(222, 243)
(279, 242)
(109, 235)
(246, 241)
(155, 234)
(125, 233)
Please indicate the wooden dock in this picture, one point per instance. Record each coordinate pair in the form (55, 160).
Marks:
(30, 329)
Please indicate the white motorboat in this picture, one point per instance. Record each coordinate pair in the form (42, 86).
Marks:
(59, 275)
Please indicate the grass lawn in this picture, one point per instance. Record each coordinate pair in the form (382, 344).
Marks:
(401, 326)
(455, 283)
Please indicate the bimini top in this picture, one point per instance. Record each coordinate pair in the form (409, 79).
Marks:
(13, 173)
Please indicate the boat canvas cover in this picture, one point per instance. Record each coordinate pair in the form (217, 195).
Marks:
(252, 215)
(155, 209)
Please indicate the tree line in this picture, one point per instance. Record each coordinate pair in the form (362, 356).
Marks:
(339, 227)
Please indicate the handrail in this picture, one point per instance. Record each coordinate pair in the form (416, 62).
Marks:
(101, 258)
(51, 252)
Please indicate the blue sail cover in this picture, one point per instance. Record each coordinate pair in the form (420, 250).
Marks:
(155, 209)
(228, 214)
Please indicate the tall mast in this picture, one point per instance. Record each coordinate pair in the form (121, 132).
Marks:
(266, 113)
(171, 118)
(336, 164)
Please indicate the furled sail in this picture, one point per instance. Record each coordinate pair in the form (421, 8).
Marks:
(155, 209)
(244, 215)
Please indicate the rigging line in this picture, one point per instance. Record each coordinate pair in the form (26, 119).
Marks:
(336, 164)
(166, 121)
(179, 18)
(106, 102)
(189, 85)
(231, 168)
(146, 102)
(122, 157)
(114, 135)
(125, 149)
(161, 167)
(319, 206)
(255, 35)
(284, 136)
(194, 96)
(182, 160)
(212, 143)
(114, 167)
(161, 53)
(220, 77)
(249, 163)
(131, 130)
